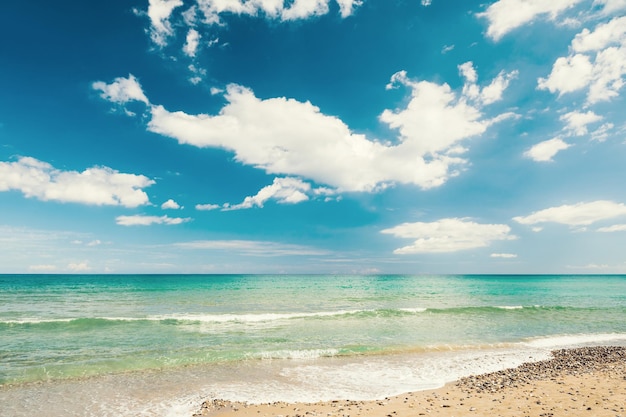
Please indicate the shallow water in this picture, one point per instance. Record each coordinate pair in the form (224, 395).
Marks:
(160, 345)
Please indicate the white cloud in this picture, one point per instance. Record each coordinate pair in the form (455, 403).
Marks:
(448, 235)
(601, 133)
(505, 15)
(346, 7)
(197, 74)
(614, 228)
(121, 91)
(503, 255)
(611, 6)
(191, 46)
(545, 151)
(139, 220)
(590, 266)
(568, 74)
(94, 243)
(207, 207)
(576, 122)
(94, 186)
(253, 247)
(447, 48)
(42, 268)
(426, 3)
(79, 267)
(274, 9)
(489, 94)
(597, 63)
(288, 137)
(283, 190)
(159, 12)
(604, 35)
(170, 205)
(580, 214)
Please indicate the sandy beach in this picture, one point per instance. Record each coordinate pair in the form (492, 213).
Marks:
(588, 381)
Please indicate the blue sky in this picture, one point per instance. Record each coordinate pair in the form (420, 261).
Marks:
(313, 136)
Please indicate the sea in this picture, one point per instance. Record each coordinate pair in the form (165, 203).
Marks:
(160, 345)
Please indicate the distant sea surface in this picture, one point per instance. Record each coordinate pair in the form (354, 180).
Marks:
(158, 345)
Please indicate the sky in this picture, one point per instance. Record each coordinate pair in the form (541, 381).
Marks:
(313, 136)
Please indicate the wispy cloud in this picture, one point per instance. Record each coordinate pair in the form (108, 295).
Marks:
(140, 220)
(579, 214)
(252, 247)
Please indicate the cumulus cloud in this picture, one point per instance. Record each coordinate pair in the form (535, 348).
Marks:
(277, 9)
(121, 90)
(488, 94)
(283, 190)
(596, 63)
(576, 122)
(170, 205)
(288, 137)
(139, 220)
(580, 214)
(159, 12)
(448, 235)
(506, 15)
(546, 150)
(611, 6)
(191, 45)
(209, 12)
(93, 186)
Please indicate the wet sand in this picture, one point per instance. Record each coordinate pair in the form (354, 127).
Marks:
(588, 382)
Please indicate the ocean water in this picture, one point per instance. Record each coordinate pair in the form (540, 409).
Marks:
(158, 345)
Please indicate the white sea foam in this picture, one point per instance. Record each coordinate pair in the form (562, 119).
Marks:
(414, 310)
(562, 341)
(297, 354)
(251, 318)
(293, 377)
(203, 318)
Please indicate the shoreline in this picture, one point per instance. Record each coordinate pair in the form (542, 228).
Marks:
(587, 381)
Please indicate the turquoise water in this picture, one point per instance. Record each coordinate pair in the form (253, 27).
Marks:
(81, 329)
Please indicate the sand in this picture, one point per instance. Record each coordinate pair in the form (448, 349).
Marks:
(588, 382)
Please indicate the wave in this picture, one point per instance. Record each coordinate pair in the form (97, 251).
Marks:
(251, 318)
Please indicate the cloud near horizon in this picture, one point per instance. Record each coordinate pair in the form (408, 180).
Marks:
(579, 214)
(253, 247)
(448, 235)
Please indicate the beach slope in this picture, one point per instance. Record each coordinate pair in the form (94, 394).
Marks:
(588, 381)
